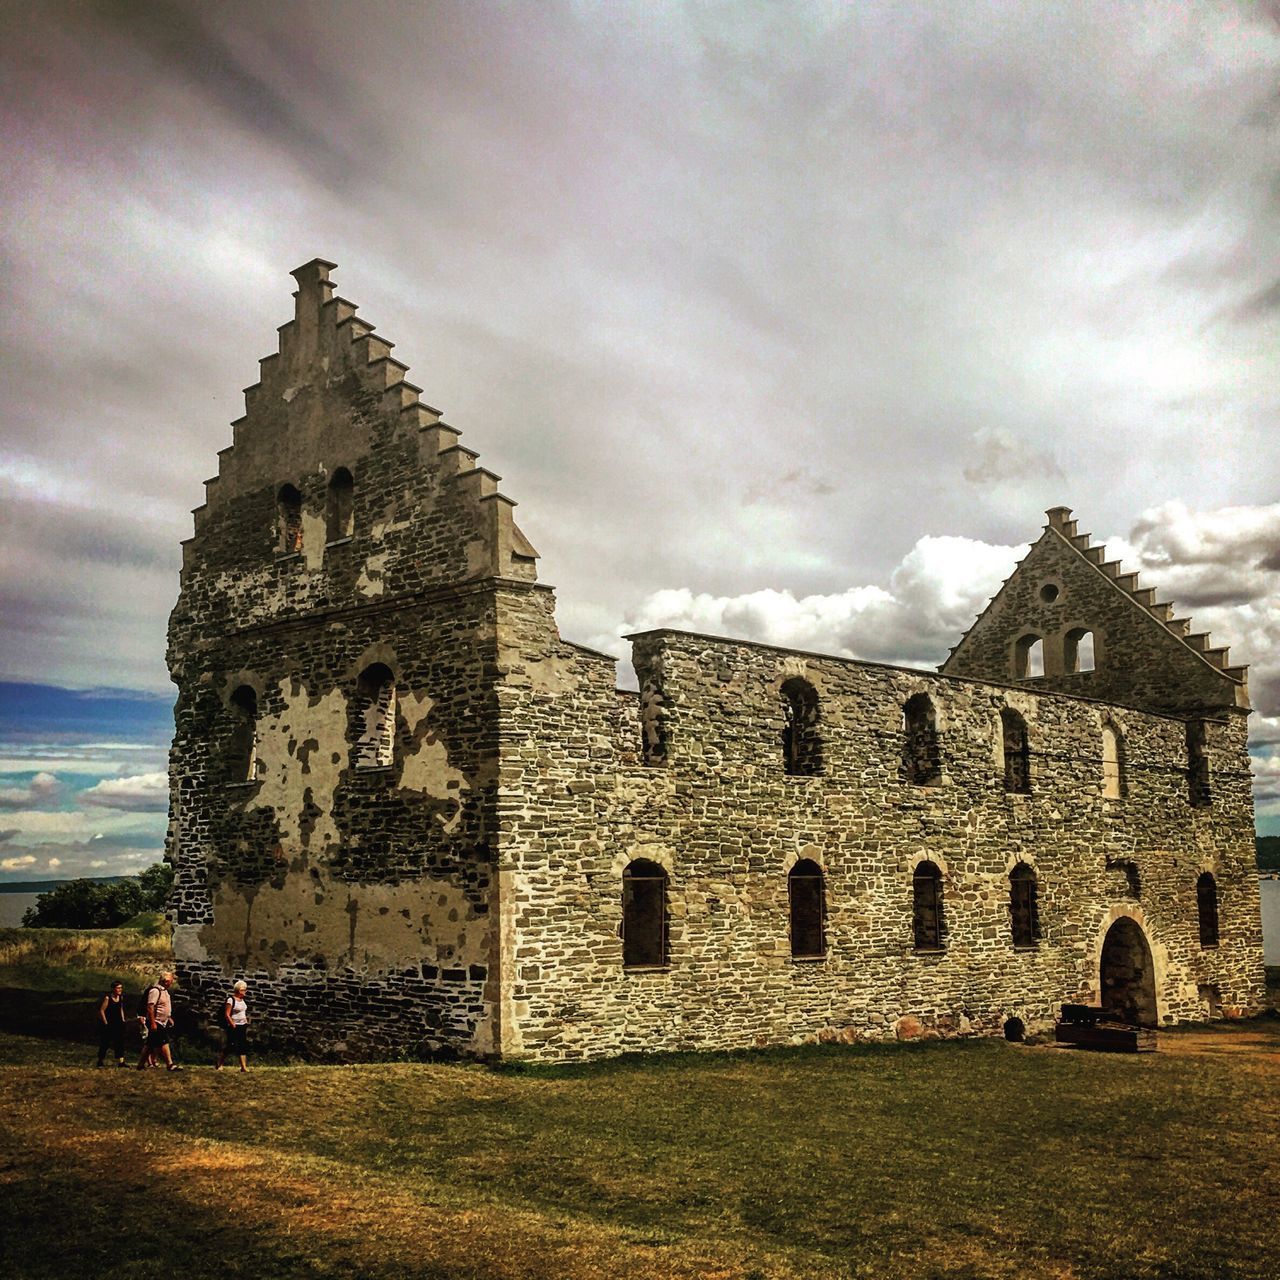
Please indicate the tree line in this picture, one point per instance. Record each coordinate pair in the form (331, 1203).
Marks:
(100, 904)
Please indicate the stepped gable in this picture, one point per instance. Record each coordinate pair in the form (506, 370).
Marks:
(1066, 587)
(294, 421)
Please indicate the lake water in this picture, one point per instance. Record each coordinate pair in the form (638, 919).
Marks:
(1271, 920)
(12, 905)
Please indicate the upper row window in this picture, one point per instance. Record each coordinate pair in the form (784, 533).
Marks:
(339, 512)
(1078, 656)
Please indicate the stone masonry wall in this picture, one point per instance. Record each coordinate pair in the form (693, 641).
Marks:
(727, 823)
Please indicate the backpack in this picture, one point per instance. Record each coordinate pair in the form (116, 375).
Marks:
(142, 1004)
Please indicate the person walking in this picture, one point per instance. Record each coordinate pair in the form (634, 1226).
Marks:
(235, 1025)
(111, 1025)
(159, 1013)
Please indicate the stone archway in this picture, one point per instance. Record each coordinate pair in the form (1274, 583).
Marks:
(1128, 978)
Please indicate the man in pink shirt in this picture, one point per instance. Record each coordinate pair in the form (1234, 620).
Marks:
(159, 1022)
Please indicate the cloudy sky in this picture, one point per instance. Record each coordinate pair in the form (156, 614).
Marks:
(785, 320)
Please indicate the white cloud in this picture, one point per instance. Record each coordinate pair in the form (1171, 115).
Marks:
(933, 595)
(141, 793)
(16, 864)
(54, 863)
(42, 788)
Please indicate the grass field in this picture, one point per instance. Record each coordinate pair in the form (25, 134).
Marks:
(960, 1159)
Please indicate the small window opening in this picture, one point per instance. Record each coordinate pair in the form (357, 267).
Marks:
(1198, 788)
(644, 915)
(801, 742)
(653, 725)
(340, 505)
(289, 509)
(1077, 653)
(926, 919)
(921, 749)
(1023, 906)
(808, 910)
(1015, 1030)
(1114, 785)
(1028, 658)
(376, 717)
(244, 738)
(1207, 908)
(1017, 752)
(1050, 592)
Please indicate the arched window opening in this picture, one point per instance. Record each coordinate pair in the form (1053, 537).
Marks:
(1017, 752)
(1077, 653)
(921, 752)
(1024, 906)
(644, 915)
(340, 505)
(289, 514)
(1207, 907)
(926, 919)
(801, 742)
(244, 738)
(808, 910)
(1028, 658)
(1198, 790)
(1114, 785)
(376, 717)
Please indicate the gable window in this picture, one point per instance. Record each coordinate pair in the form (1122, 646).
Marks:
(1028, 657)
(338, 513)
(644, 915)
(801, 743)
(1198, 790)
(1077, 652)
(808, 910)
(921, 753)
(375, 717)
(1023, 907)
(926, 913)
(1017, 752)
(289, 518)
(1207, 909)
(244, 738)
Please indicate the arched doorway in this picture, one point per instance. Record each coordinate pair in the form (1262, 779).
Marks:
(1128, 976)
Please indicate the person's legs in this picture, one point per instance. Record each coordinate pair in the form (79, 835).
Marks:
(104, 1043)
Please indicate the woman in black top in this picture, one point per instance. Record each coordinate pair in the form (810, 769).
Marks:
(111, 1024)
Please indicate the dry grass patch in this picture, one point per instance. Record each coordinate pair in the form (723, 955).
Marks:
(960, 1160)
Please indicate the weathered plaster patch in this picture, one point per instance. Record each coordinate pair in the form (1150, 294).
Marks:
(426, 767)
(370, 927)
(370, 582)
(304, 740)
(313, 539)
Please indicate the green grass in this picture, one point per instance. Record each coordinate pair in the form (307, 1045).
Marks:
(957, 1159)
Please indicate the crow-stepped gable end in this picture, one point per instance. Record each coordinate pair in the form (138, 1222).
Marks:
(419, 821)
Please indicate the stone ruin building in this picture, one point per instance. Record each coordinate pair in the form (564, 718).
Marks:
(419, 821)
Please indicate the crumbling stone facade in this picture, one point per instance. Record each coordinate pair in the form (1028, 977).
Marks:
(419, 821)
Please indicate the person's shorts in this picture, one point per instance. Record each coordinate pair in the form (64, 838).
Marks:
(160, 1036)
(237, 1040)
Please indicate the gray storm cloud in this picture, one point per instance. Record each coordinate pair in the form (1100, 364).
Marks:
(743, 301)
